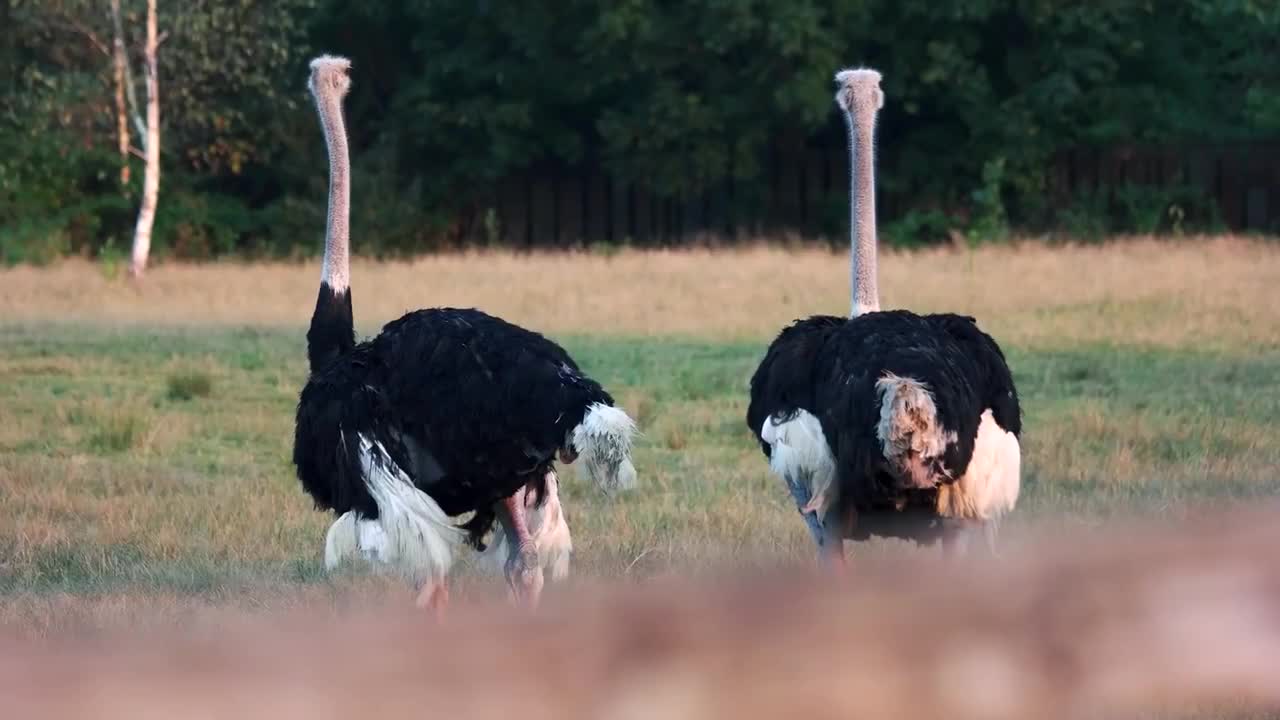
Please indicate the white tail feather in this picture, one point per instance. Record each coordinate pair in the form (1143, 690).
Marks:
(799, 454)
(990, 485)
(412, 535)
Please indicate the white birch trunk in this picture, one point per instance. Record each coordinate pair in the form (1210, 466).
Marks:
(151, 178)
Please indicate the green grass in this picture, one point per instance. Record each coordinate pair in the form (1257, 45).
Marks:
(189, 385)
(113, 482)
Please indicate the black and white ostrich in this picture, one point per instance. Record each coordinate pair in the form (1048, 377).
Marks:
(446, 412)
(887, 423)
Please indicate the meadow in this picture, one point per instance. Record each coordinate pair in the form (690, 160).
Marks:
(145, 431)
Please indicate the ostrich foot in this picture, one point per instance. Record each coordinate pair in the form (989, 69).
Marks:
(831, 549)
(434, 597)
(832, 558)
(836, 525)
(524, 576)
(990, 530)
(956, 538)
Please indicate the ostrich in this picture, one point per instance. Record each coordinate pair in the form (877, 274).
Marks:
(447, 411)
(887, 423)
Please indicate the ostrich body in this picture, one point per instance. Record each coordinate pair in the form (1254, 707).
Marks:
(447, 411)
(887, 423)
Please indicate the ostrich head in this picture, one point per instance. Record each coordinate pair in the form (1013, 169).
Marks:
(329, 77)
(859, 91)
(603, 442)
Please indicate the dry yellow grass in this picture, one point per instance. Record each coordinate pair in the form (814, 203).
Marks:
(1206, 292)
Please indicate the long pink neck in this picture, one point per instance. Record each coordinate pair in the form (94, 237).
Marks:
(862, 213)
(337, 265)
(332, 331)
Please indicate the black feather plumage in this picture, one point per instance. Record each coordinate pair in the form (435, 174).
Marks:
(829, 366)
(332, 332)
(784, 382)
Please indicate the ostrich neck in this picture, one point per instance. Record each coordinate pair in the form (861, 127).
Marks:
(862, 220)
(337, 270)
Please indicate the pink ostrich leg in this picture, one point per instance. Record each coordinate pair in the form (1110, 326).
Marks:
(524, 571)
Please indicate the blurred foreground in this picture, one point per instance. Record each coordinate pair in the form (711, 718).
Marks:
(1135, 617)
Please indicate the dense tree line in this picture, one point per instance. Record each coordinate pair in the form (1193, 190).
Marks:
(452, 97)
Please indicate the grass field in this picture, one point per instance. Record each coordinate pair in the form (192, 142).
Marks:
(145, 433)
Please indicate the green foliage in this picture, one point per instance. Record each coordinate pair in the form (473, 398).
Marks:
(202, 225)
(1085, 217)
(232, 76)
(229, 91)
(452, 98)
(1137, 209)
(916, 228)
(1148, 210)
(990, 222)
(56, 193)
(692, 90)
(113, 260)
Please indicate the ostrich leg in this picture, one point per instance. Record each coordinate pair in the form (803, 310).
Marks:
(800, 492)
(836, 523)
(524, 571)
(957, 539)
(553, 517)
(434, 597)
(827, 532)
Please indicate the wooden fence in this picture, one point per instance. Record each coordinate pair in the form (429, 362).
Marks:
(1241, 181)
(1168, 616)
(806, 194)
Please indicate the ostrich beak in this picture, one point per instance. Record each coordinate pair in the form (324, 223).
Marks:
(568, 455)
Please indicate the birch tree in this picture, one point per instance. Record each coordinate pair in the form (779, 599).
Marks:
(151, 148)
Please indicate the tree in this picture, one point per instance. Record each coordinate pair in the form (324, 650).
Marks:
(457, 103)
(230, 86)
(120, 70)
(151, 177)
